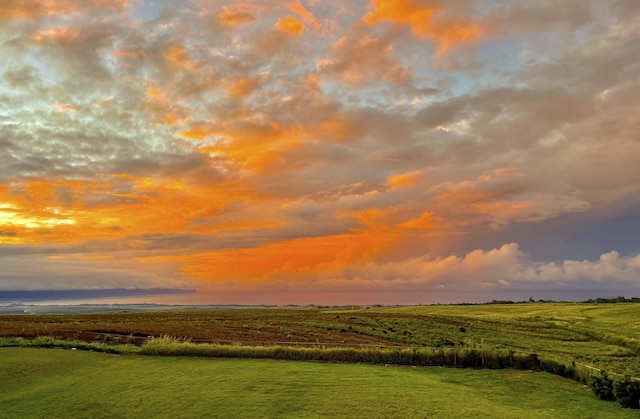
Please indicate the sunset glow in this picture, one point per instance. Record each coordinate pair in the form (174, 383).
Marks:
(387, 150)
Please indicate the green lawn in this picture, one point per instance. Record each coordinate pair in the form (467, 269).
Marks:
(56, 383)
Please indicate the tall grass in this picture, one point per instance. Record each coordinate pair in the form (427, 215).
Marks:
(446, 357)
(50, 342)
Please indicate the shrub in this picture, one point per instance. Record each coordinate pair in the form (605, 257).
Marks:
(602, 387)
(627, 392)
(13, 341)
(43, 341)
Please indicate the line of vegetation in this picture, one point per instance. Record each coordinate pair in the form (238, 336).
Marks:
(51, 342)
(445, 357)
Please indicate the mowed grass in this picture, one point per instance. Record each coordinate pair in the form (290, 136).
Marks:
(65, 383)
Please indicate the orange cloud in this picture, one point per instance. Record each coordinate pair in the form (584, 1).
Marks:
(16, 9)
(364, 61)
(403, 11)
(340, 128)
(405, 180)
(131, 51)
(235, 16)
(369, 217)
(258, 148)
(298, 8)
(33, 9)
(292, 259)
(425, 21)
(196, 133)
(36, 210)
(60, 35)
(425, 221)
(65, 107)
(243, 87)
(162, 109)
(119, 206)
(178, 57)
(290, 25)
(156, 94)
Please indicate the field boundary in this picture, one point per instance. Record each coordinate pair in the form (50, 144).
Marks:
(228, 342)
(601, 371)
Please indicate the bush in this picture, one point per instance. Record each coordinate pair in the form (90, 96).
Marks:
(602, 387)
(13, 341)
(627, 392)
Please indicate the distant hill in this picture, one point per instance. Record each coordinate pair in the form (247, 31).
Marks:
(47, 295)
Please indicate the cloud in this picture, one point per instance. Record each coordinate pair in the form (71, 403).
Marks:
(504, 195)
(290, 24)
(297, 7)
(231, 16)
(609, 267)
(504, 267)
(405, 180)
(38, 272)
(359, 62)
(440, 21)
(35, 9)
(540, 15)
(325, 142)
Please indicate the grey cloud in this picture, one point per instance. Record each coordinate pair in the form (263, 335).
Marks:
(535, 16)
(359, 62)
(42, 272)
(22, 78)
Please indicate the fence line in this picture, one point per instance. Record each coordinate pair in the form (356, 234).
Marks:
(591, 367)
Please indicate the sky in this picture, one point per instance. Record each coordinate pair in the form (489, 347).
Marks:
(307, 151)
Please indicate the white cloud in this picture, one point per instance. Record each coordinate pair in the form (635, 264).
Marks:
(503, 267)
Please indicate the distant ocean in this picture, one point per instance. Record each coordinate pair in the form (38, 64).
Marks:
(42, 301)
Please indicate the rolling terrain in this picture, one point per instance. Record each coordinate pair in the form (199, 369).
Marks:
(605, 336)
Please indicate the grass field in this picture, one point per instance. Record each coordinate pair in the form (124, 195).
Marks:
(603, 335)
(65, 383)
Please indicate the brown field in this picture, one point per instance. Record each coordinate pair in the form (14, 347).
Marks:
(247, 326)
